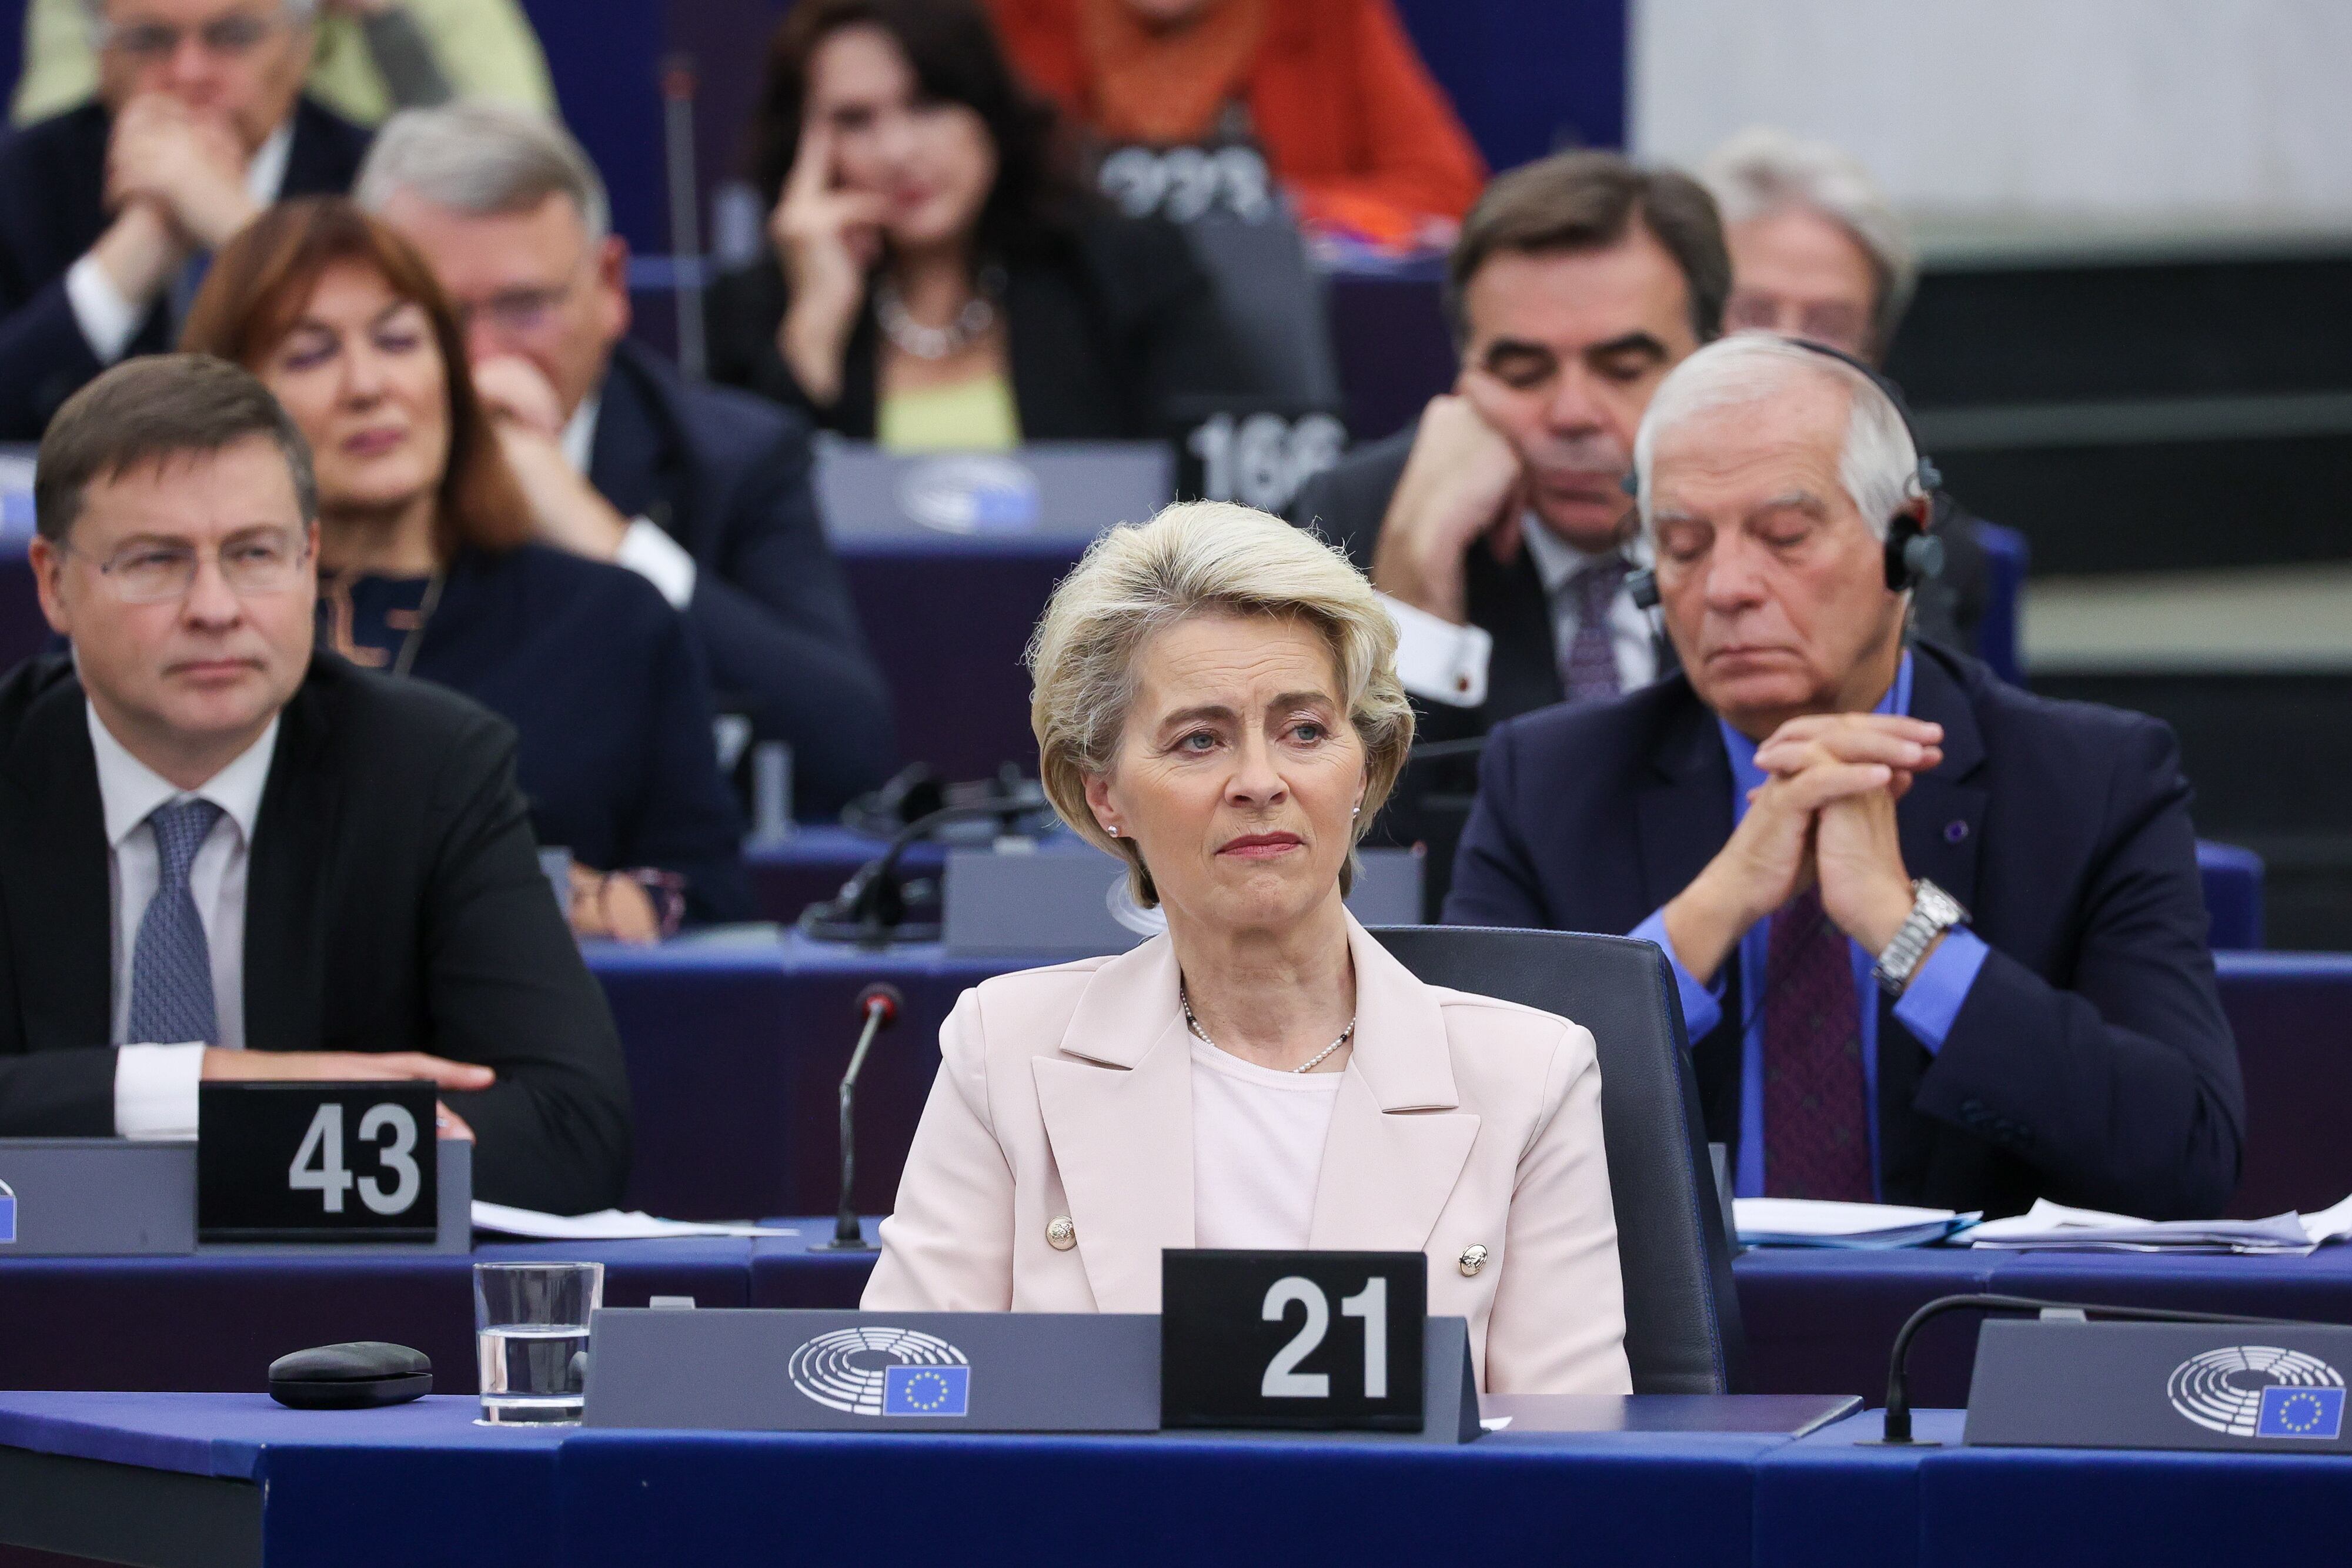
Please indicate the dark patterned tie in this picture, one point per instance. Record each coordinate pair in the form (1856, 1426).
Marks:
(1816, 1112)
(1588, 666)
(170, 963)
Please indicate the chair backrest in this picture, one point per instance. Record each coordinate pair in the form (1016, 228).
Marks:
(1272, 298)
(1682, 1320)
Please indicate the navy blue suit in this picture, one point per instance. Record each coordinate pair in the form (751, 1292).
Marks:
(727, 475)
(2090, 1063)
(606, 692)
(53, 209)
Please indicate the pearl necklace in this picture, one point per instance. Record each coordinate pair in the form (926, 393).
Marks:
(1202, 1035)
(925, 342)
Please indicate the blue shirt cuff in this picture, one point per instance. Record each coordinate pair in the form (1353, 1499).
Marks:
(1932, 1001)
(1702, 1005)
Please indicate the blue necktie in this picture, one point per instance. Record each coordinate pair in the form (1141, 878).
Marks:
(171, 965)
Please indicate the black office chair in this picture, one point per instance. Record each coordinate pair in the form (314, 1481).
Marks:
(1682, 1320)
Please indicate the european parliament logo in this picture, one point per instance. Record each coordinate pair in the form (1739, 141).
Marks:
(875, 1370)
(8, 1214)
(2259, 1391)
(927, 1391)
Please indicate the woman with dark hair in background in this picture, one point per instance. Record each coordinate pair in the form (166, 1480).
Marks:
(426, 571)
(936, 279)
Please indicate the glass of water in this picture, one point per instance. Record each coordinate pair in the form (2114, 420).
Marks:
(531, 1333)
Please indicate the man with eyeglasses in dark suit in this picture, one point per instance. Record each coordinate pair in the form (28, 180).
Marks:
(225, 854)
(109, 211)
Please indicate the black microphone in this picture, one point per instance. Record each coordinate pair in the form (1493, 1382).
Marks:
(871, 907)
(878, 1005)
(1898, 1392)
(1438, 750)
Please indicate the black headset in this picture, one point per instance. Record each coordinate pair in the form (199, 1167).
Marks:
(1913, 554)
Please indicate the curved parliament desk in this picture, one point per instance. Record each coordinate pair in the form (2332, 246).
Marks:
(169, 1480)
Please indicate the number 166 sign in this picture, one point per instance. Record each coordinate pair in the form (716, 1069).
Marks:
(1328, 1340)
(316, 1162)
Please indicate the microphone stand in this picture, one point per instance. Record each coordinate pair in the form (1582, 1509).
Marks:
(871, 907)
(879, 1005)
(1898, 1392)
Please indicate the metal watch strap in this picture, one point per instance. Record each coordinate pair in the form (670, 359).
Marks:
(1933, 912)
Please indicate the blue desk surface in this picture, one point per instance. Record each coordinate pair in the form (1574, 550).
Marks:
(419, 1482)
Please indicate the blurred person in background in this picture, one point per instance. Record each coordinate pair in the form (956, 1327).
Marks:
(704, 491)
(426, 568)
(1331, 91)
(373, 56)
(108, 212)
(1817, 252)
(936, 281)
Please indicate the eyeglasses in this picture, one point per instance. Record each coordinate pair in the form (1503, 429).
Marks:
(231, 37)
(255, 562)
(518, 312)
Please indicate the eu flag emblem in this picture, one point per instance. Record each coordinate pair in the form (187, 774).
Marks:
(936, 1391)
(7, 1214)
(2293, 1411)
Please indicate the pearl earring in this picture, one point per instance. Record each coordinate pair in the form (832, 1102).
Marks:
(1111, 831)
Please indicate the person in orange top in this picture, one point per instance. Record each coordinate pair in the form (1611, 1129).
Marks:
(1347, 114)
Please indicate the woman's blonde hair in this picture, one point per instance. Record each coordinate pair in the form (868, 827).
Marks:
(1200, 558)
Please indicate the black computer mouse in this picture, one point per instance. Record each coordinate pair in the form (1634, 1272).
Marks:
(350, 1377)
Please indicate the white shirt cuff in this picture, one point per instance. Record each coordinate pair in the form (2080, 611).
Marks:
(1438, 661)
(107, 321)
(156, 1091)
(659, 559)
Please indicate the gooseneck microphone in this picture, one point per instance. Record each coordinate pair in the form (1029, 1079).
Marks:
(1898, 1392)
(871, 907)
(878, 1005)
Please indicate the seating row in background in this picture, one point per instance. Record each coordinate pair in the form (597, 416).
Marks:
(736, 1043)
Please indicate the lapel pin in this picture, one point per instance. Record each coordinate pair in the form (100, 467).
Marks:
(1954, 832)
(1473, 1258)
(1061, 1235)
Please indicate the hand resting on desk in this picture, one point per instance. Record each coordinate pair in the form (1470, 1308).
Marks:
(362, 1066)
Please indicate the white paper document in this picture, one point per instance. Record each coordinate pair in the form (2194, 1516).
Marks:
(2053, 1227)
(608, 1225)
(1807, 1222)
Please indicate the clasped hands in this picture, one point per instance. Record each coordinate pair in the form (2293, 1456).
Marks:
(175, 180)
(1825, 813)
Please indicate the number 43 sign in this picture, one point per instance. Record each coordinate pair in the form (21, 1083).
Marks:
(315, 1162)
(1307, 1339)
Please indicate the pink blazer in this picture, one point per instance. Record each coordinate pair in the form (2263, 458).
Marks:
(1461, 1121)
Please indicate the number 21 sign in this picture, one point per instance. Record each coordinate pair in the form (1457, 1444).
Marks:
(1302, 1340)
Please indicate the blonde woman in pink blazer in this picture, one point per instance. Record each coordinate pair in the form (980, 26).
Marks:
(1216, 702)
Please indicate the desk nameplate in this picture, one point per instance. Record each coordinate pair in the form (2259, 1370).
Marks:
(2243, 1387)
(766, 1370)
(120, 1198)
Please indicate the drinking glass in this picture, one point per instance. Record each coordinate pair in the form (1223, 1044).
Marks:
(531, 1333)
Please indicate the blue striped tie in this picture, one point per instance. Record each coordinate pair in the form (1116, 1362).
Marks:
(171, 965)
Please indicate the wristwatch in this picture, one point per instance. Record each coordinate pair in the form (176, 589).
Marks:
(1933, 912)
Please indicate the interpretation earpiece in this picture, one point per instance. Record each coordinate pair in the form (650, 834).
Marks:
(1913, 554)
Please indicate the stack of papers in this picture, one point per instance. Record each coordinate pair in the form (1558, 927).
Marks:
(1803, 1222)
(2053, 1227)
(608, 1225)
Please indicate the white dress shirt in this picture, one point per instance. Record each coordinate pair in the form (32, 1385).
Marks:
(155, 1081)
(1442, 662)
(644, 549)
(108, 321)
(1258, 1150)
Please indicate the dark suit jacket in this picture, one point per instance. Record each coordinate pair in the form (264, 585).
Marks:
(727, 477)
(2091, 1062)
(1111, 333)
(52, 209)
(394, 902)
(607, 692)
